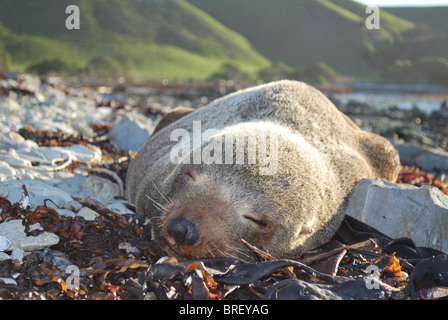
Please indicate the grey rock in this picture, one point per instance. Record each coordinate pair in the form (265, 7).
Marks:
(18, 254)
(101, 187)
(5, 243)
(58, 259)
(8, 280)
(38, 192)
(425, 158)
(87, 213)
(6, 171)
(400, 210)
(4, 256)
(15, 232)
(131, 132)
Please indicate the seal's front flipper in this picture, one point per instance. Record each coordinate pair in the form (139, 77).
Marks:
(171, 117)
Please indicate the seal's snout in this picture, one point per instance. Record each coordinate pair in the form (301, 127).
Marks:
(183, 231)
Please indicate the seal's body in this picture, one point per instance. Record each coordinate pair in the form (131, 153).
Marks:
(270, 164)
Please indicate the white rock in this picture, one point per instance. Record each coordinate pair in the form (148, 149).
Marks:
(400, 210)
(87, 213)
(15, 232)
(101, 115)
(8, 280)
(8, 83)
(4, 256)
(82, 153)
(119, 206)
(128, 247)
(45, 155)
(10, 107)
(12, 158)
(10, 139)
(29, 82)
(101, 187)
(131, 132)
(5, 243)
(46, 124)
(425, 158)
(38, 192)
(74, 185)
(18, 254)
(65, 212)
(7, 172)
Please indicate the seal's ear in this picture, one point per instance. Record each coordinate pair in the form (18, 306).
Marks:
(171, 117)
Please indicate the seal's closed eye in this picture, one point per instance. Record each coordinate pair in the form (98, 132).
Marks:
(190, 174)
(259, 222)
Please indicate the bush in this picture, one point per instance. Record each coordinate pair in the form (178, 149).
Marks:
(435, 70)
(319, 72)
(429, 70)
(402, 71)
(276, 71)
(103, 67)
(230, 71)
(50, 66)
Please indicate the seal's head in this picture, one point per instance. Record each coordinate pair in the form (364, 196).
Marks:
(212, 207)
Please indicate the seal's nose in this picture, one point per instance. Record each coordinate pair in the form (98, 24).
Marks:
(183, 231)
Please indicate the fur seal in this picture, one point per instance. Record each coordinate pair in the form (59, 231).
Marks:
(206, 187)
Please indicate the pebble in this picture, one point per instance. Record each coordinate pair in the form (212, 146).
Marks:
(128, 247)
(87, 213)
(423, 157)
(15, 232)
(131, 132)
(17, 254)
(102, 189)
(4, 256)
(8, 280)
(5, 243)
(58, 259)
(7, 172)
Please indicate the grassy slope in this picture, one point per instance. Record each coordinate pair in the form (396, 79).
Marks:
(430, 16)
(394, 24)
(157, 38)
(302, 33)
(431, 36)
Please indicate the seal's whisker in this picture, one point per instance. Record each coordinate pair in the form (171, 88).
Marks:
(169, 201)
(224, 253)
(160, 207)
(211, 252)
(239, 250)
(157, 207)
(219, 250)
(157, 218)
(158, 222)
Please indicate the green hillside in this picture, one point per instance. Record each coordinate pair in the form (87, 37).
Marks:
(333, 32)
(311, 40)
(144, 38)
(430, 38)
(301, 33)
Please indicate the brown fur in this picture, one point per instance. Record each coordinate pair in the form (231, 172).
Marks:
(321, 156)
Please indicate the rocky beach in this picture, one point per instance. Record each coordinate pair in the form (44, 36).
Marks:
(64, 151)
